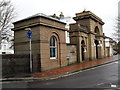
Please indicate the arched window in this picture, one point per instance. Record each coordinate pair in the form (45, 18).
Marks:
(53, 47)
(97, 30)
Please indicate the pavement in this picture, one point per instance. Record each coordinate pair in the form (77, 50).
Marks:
(64, 71)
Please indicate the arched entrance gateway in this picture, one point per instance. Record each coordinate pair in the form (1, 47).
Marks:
(87, 34)
(97, 42)
(83, 50)
(96, 48)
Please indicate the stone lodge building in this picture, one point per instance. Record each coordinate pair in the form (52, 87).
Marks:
(49, 48)
(87, 34)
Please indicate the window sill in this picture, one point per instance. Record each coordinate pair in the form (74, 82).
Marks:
(53, 58)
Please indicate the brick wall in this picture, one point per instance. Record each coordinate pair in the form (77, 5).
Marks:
(71, 54)
(13, 64)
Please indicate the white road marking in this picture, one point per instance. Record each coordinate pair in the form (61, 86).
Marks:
(114, 86)
(100, 84)
(116, 62)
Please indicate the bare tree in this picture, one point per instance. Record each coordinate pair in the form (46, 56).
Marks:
(118, 29)
(116, 34)
(6, 16)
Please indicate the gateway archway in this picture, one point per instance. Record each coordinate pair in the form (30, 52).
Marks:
(96, 46)
(83, 50)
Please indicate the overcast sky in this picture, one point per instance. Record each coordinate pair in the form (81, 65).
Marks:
(107, 10)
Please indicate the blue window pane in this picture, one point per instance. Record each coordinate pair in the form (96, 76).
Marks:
(53, 46)
(52, 52)
(53, 41)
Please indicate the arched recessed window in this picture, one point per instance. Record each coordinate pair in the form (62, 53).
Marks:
(97, 30)
(53, 47)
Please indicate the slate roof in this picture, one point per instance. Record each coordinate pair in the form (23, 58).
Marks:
(39, 15)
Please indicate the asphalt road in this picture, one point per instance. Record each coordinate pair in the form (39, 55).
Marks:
(101, 77)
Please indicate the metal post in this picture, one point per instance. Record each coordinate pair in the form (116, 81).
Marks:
(30, 57)
(29, 35)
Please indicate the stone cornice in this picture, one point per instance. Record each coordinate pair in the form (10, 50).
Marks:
(34, 41)
(86, 32)
(38, 24)
(87, 16)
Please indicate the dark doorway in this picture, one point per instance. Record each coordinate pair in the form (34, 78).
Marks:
(96, 45)
(82, 53)
(82, 50)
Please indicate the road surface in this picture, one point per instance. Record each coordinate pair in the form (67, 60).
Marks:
(105, 76)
